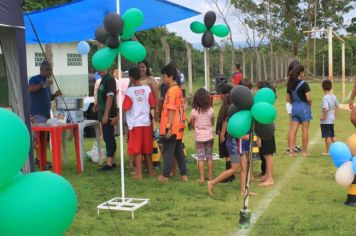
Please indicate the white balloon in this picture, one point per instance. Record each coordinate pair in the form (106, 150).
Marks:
(344, 174)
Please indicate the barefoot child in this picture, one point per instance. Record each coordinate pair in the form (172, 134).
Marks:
(221, 128)
(138, 102)
(267, 149)
(329, 106)
(234, 147)
(238, 152)
(246, 148)
(202, 122)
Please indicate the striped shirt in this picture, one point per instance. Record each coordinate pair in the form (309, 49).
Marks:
(203, 129)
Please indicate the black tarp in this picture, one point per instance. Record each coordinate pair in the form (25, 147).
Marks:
(11, 13)
(12, 41)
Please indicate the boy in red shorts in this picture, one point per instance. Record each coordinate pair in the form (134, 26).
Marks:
(138, 102)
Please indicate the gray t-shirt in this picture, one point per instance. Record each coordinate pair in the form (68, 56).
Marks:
(330, 103)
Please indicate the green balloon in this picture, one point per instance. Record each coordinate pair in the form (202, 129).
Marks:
(41, 203)
(264, 112)
(132, 18)
(220, 30)
(14, 145)
(104, 58)
(133, 51)
(198, 27)
(18, 175)
(239, 124)
(265, 95)
(127, 33)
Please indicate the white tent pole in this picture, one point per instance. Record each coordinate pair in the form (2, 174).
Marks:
(120, 120)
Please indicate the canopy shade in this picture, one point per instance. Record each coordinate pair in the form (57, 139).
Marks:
(77, 20)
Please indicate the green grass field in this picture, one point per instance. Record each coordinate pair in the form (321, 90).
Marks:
(305, 199)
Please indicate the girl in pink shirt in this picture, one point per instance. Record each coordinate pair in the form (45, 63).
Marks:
(202, 122)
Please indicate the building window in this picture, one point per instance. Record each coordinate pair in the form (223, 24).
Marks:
(39, 58)
(74, 59)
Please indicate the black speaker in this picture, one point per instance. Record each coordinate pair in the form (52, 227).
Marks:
(220, 81)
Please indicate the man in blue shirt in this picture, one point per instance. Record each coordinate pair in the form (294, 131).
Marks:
(40, 94)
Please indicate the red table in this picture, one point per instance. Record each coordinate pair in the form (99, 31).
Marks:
(56, 140)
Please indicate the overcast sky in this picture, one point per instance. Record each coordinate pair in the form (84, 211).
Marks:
(182, 29)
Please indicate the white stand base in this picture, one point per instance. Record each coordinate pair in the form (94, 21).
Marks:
(129, 204)
(216, 157)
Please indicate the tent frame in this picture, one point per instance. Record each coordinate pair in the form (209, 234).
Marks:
(330, 33)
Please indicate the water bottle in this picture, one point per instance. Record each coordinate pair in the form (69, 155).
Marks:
(156, 133)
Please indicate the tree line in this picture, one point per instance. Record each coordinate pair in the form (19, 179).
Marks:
(274, 32)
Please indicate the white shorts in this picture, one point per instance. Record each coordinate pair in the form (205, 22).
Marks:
(289, 108)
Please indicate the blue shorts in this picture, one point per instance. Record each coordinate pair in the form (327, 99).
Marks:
(245, 146)
(301, 112)
(327, 130)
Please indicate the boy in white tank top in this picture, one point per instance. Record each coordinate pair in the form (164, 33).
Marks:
(138, 102)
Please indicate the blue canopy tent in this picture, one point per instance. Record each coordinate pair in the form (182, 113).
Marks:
(77, 20)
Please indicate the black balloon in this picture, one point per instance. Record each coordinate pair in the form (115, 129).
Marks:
(209, 19)
(101, 34)
(264, 131)
(208, 39)
(112, 41)
(232, 110)
(241, 97)
(113, 23)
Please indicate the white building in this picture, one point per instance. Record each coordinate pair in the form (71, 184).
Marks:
(69, 67)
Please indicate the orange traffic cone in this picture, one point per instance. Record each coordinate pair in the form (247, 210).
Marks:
(351, 194)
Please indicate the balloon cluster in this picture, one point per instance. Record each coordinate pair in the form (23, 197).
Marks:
(208, 29)
(245, 108)
(39, 203)
(116, 34)
(344, 158)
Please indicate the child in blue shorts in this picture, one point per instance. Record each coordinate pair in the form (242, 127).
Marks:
(234, 148)
(235, 151)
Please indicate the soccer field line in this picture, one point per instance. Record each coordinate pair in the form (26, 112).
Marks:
(263, 206)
